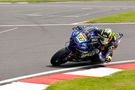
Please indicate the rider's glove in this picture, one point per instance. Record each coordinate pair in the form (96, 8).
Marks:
(108, 59)
(96, 51)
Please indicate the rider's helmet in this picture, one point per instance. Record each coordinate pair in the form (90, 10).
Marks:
(105, 36)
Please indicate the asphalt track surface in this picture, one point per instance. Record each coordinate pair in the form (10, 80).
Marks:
(31, 33)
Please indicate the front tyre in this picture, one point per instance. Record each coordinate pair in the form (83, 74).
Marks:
(58, 58)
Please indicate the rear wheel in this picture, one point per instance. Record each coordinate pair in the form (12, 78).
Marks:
(58, 58)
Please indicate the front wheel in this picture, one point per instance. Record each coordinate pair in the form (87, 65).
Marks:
(58, 58)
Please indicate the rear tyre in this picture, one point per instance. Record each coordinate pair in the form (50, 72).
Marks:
(58, 58)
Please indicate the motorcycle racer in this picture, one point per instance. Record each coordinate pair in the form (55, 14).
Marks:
(109, 40)
(99, 40)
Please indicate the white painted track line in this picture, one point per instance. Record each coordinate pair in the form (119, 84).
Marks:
(6, 3)
(78, 23)
(33, 25)
(8, 30)
(119, 62)
(42, 73)
(82, 23)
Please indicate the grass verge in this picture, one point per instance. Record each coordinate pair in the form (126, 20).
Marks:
(120, 18)
(124, 80)
(14, 1)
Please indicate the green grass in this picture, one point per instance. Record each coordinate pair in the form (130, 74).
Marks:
(120, 18)
(55, 0)
(124, 80)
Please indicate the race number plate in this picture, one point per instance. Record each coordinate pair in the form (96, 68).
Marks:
(81, 38)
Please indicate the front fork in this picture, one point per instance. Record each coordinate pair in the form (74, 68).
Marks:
(69, 56)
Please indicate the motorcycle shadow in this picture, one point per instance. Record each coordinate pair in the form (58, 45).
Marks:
(88, 65)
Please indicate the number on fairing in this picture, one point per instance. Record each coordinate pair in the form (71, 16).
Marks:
(81, 38)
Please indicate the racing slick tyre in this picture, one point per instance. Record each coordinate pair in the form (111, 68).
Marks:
(58, 58)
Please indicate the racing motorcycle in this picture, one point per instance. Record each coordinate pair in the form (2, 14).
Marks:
(81, 50)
